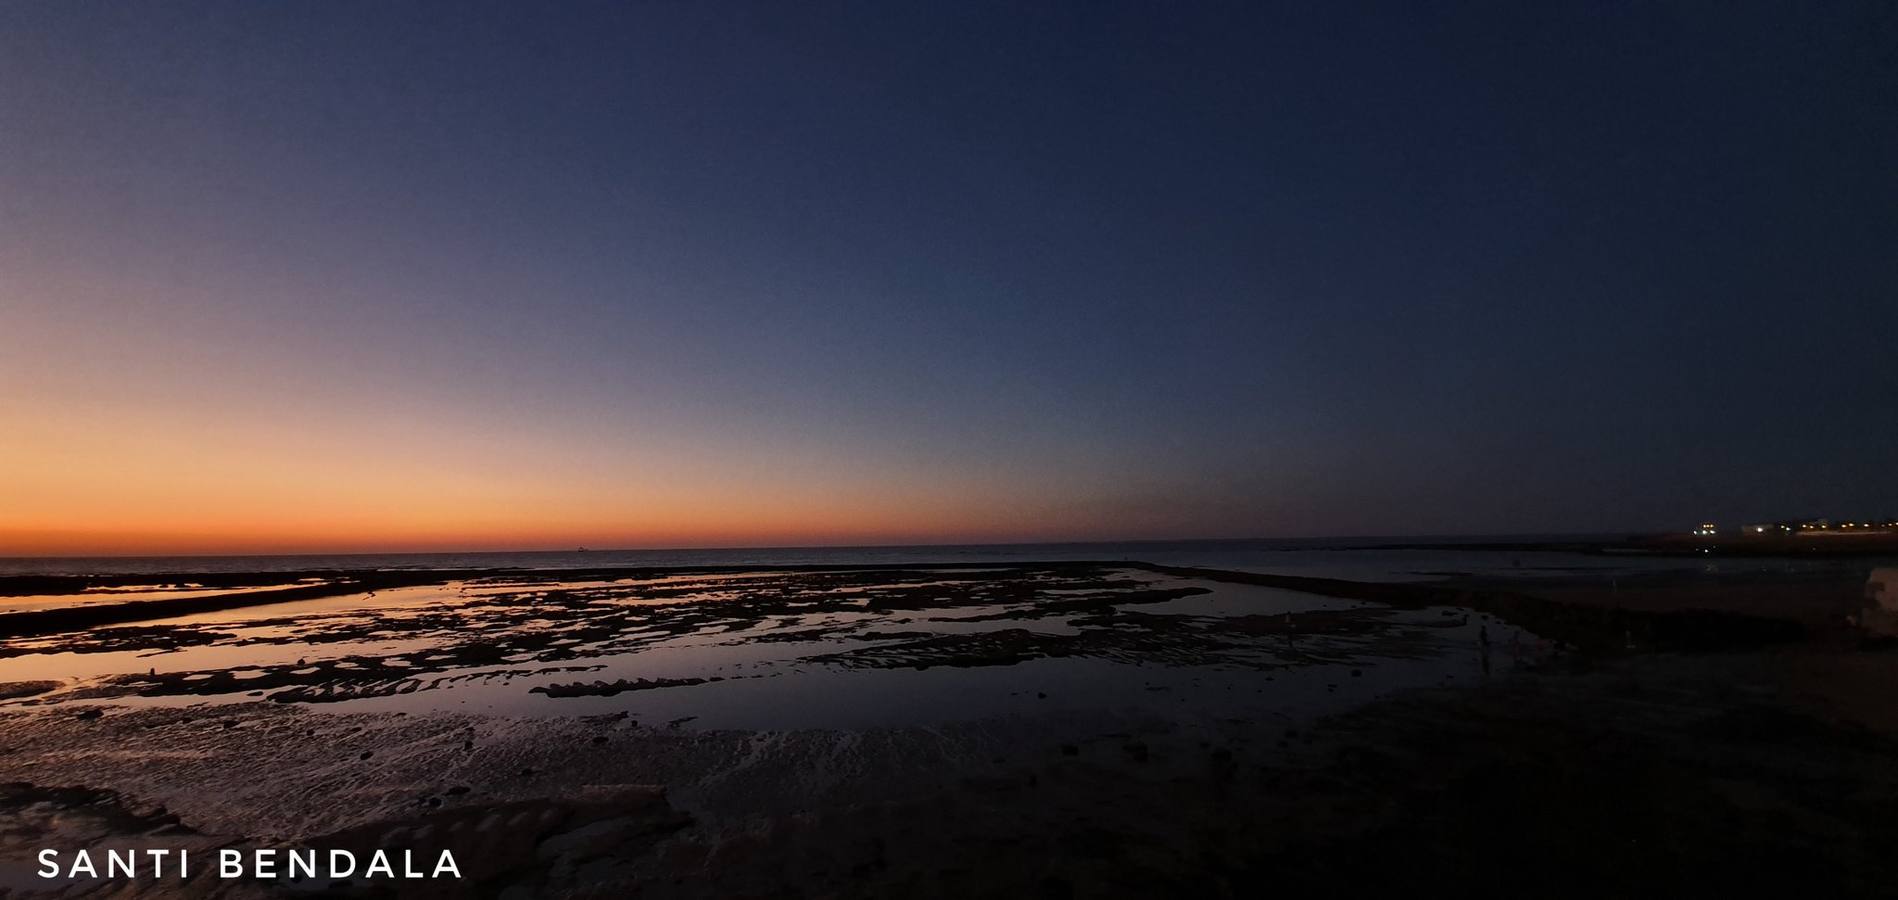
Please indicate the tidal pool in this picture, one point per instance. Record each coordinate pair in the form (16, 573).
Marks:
(781, 650)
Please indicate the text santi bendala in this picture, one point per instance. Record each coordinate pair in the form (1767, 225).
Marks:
(259, 863)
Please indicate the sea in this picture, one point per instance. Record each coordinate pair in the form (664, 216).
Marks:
(1357, 559)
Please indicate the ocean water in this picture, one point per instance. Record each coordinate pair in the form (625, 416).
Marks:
(1360, 559)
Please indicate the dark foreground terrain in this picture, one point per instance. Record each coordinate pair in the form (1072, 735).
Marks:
(1642, 749)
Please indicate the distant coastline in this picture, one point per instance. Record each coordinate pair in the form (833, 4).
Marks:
(1799, 545)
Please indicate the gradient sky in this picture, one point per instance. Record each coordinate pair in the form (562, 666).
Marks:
(367, 276)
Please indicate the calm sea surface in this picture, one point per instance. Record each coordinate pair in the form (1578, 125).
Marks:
(1368, 559)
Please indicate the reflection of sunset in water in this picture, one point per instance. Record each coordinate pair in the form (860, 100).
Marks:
(749, 648)
(93, 596)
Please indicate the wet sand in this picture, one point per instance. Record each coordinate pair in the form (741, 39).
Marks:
(1070, 730)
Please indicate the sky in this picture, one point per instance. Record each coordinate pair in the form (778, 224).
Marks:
(375, 276)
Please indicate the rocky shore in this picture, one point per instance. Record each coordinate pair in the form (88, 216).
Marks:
(1686, 751)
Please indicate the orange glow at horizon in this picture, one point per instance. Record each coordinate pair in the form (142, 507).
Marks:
(135, 421)
(419, 520)
(174, 482)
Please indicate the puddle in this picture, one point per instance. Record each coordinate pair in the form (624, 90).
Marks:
(130, 594)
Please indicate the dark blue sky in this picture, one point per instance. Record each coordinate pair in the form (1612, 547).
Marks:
(962, 271)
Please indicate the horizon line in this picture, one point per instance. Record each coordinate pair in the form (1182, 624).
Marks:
(900, 546)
